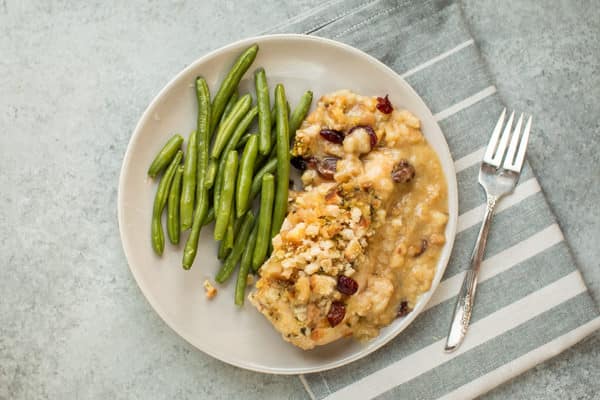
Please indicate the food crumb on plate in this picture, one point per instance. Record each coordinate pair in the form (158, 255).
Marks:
(210, 290)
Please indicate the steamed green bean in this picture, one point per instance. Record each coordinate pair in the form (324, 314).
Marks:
(230, 83)
(160, 200)
(173, 210)
(165, 155)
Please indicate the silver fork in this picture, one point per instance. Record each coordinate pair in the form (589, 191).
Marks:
(497, 179)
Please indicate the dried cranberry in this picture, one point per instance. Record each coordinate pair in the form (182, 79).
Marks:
(403, 172)
(347, 285)
(336, 313)
(370, 131)
(384, 105)
(332, 135)
(299, 163)
(326, 167)
(404, 310)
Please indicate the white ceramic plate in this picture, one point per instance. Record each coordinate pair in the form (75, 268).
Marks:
(243, 337)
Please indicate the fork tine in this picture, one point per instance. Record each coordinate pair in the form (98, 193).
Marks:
(514, 144)
(518, 164)
(491, 147)
(497, 160)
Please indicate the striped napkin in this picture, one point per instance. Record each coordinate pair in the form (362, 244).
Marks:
(532, 302)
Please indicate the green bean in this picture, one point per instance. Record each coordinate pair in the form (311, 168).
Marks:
(300, 113)
(231, 82)
(261, 159)
(283, 161)
(268, 168)
(224, 206)
(239, 131)
(260, 162)
(274, 137)
(273, 119)
(232, 100)
(236, 253)
(228, 126)
(226, 244)
(165, 155)
(223, 250)
(243, 140)
(202, 198)
(245, 261)
(244, 179)
(210, 217)
(232, 230)
(203, 143)
(274, 111)
(231, 145)
(264, 111)
(273, 152)
(264, 221)
(264, 157)
(173, 228)
(228, 241)
(162, 194)
(188, 191)
(218, 186)
(211, 173)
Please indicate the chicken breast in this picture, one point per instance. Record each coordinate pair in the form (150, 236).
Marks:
(356, 246)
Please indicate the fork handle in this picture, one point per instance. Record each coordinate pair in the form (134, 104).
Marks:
(466, 295)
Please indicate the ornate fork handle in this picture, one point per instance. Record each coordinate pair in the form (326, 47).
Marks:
(466, 296)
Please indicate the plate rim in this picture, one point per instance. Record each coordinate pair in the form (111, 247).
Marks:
(451, 227)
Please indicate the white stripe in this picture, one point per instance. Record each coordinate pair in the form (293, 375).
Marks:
(436, 59)
(307, 387)
(475, 215)
(500, 262)
(466, 103)
(519, 365)
(480, 332)
(469, 160)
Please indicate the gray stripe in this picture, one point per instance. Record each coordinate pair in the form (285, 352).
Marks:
(471, 128)
(317, 19)
(514, 284)
(317, 384)
(511, 227)
(403, 12)
(470, 193)
(403, 44)
(451, 80)
(504, 348)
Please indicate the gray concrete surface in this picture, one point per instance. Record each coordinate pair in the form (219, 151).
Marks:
(74, 79)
